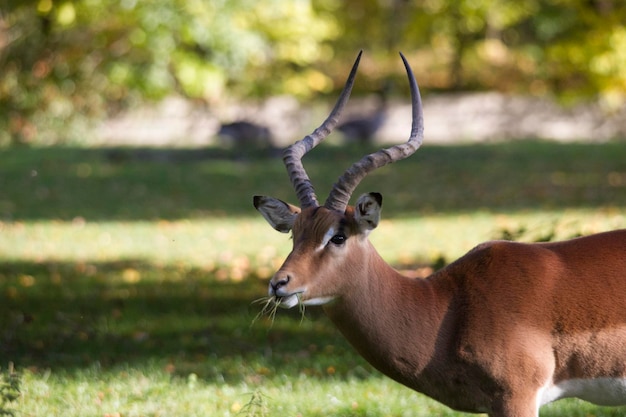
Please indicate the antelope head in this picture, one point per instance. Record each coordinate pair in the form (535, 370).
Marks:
(330, 242)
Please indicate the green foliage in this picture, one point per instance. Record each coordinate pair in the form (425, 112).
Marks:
(570, 48)
(9, 391)
(68, 63)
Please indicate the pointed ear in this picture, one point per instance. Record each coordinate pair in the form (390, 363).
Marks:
(367, 211)
(279, 215)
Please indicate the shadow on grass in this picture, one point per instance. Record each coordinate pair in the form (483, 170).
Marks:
(72, 315)
(68, 317)
(145, 184)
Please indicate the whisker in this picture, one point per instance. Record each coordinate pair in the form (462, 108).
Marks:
(270, 305)
(302, 309)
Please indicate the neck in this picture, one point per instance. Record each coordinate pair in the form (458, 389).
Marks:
(393, 321)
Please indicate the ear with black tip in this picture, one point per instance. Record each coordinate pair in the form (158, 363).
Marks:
(279, 215)
(367, 211)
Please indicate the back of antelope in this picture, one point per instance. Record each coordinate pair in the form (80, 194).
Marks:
(503, 330)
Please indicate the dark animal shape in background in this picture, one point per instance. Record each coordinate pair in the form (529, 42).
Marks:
(244, 134)
(363, 129)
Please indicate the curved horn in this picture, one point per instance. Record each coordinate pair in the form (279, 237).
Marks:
(343, 188)
(292, 156)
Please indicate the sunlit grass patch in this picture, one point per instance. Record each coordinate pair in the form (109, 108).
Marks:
(234, 249)
(151, 391)
(228, 249)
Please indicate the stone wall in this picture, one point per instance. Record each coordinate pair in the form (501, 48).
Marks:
(449, 118)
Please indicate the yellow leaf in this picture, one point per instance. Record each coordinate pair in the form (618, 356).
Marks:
(27, 280)
(236, 407)
(131, 275)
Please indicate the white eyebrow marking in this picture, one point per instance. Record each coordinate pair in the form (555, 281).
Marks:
(329, 234)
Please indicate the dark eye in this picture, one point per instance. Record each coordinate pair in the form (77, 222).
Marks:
(339, 239)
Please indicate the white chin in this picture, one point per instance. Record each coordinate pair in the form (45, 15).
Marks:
(289, 301)
(317, 301)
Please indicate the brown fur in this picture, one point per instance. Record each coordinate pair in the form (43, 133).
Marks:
(485, 333)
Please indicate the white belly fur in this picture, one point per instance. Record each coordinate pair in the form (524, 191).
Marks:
(601, 391)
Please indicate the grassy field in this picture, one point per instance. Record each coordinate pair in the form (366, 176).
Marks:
(127, 275)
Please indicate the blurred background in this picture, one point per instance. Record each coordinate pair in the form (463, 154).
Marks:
(68, 66)
(133, 135)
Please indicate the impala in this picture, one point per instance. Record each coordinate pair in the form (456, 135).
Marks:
(503, 330)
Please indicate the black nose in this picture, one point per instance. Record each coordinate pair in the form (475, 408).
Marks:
(280, 283)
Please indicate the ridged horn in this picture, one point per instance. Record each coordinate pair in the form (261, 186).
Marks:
(339, 196)
(292, 156)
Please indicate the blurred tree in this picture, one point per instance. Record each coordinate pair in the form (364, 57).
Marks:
(67, 62)
(574, 49)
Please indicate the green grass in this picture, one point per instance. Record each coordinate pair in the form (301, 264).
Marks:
(100, 185)
(127, 281)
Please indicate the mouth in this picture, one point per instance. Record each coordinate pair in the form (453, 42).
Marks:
(284, 299)
(287, 301)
